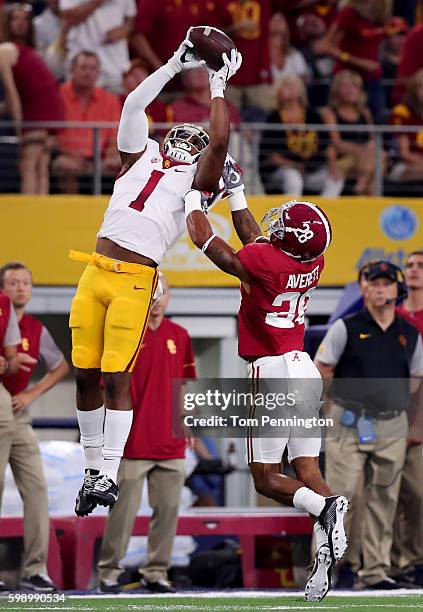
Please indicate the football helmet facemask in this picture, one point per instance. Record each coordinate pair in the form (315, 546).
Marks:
(185, 142)
(299, 229)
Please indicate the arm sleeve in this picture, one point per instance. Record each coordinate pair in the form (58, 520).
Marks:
(189, 360)
(49, 351)
(416, 363)
(333, 344)
(12, 336)
(133, 126)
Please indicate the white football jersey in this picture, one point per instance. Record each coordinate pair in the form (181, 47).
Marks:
(146, 212)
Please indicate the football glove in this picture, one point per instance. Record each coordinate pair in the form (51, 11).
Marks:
(219, 79)
(232, 177)
(183, 58)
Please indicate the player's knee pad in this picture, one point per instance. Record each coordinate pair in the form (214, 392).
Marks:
(85, 357)
(114, 361)
(82, 313)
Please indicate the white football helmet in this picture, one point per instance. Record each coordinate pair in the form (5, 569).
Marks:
(185, 142)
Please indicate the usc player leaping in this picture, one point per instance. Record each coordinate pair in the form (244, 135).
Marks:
(278, 275)
(144, 217)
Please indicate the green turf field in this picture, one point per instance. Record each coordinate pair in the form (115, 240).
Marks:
(221, 604)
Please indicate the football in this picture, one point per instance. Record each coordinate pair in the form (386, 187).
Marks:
(209, 44)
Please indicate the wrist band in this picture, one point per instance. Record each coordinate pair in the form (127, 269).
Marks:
(192, 202)
(169, 69)
(217, 93)
(206, 244)
(238, 201)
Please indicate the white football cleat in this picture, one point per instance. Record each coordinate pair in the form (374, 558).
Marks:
(319, 582)
(332, 520)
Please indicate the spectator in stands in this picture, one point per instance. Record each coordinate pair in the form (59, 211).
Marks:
(171, 19)
(284, 59)
(247, 23)
(307, 18)
(21, 449)
(194, 106)
(355, 150)
(86, 102)
(381, 351)
(354, 40)
(103, 27)
(50, 38)
(411, 61)
(291, 160)
(407, 549)
(410, 145)
(395, 35)
(151, 453)
(32, 94)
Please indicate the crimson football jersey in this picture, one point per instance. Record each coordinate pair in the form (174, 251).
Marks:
(271, 316)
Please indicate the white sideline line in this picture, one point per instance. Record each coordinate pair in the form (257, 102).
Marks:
(251, 594)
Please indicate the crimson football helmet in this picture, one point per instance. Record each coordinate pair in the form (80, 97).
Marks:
(185, 142)
(299, 229)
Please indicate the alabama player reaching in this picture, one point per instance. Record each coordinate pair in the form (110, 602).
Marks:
(277, 277)
(144, 217)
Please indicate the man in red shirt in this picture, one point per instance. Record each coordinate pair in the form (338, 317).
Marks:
(151, 452)
(278, 275)
(21, 449)
(247, 23)
(10, 362)
(86, 102)
(161, 26)
(407, 549)
(194, 106)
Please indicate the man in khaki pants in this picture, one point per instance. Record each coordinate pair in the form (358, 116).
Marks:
(150, 453)
(10, 363)
(379, 350)
(20, 447)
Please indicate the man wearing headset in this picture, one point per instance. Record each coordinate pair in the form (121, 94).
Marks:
(371, 355)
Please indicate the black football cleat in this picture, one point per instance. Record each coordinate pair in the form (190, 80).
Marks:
(105, 491)
(320, 578)
(332, 520)
(85, 503)
(40, 583)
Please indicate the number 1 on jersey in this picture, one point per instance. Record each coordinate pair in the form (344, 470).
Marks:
(139, 203)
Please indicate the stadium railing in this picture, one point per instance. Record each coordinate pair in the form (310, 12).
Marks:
(245, 147)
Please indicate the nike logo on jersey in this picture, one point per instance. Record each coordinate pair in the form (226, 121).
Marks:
(364, 336)
(176, 170)
(139, 288)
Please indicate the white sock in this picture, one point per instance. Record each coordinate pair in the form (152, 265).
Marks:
(320, 535)
(91, 423)
(117, 426)
(309, 501)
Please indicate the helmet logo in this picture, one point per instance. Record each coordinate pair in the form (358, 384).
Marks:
(302, 234)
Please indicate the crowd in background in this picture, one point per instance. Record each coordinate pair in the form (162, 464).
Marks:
(311, 62)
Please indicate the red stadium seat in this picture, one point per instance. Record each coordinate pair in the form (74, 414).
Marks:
(11, 527)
